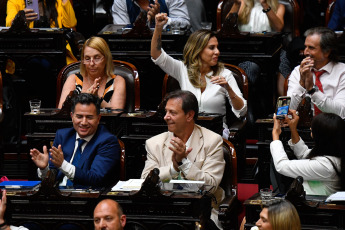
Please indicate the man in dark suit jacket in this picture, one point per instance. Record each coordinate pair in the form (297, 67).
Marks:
(99, 153)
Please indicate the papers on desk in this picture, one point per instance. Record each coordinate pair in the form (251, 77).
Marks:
(19, 184)
(338, 196)
(127, 186)
(173, 185)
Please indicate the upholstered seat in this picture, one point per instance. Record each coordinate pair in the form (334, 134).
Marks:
(229, 207)
(126, 70)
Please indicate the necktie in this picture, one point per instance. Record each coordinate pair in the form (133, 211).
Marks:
(319, 85)
(76, 158)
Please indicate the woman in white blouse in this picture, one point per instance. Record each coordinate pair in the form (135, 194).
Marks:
(200, 72)
(322, 167)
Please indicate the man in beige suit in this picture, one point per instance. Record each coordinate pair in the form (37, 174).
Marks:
(188, 151)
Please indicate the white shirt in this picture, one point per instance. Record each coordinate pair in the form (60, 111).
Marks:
(177, 12)
(258, 20)
(67, 168)
(213, 99)
(318, 173)
(332, 100)
(186, 163)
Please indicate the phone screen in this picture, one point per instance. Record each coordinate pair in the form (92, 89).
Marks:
(282, 107)
(33, 4)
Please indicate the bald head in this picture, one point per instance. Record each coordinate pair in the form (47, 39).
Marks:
(108, 215)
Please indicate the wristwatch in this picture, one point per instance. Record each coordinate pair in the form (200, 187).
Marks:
(313, 90)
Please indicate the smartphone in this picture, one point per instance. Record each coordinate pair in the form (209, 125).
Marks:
(33, 4)
(283, 105)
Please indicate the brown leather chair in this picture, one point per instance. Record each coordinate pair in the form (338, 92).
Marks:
(122, 176)
(230, 205)
(125, 69)
(291, 17)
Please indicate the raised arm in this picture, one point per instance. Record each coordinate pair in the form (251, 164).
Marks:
(276, 18)
(156, 42)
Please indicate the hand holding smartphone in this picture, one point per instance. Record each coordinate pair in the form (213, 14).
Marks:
(35, 14)
(283, 105)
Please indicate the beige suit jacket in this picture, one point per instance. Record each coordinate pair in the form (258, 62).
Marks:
(206, 155)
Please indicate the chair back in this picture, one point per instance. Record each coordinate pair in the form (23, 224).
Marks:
(125, 69)
(229, 180)
(291, 20)
(291, 17)
(170, 84)
(122, 161)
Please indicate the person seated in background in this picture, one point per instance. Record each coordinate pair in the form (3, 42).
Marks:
(125, 12)
(85, 155)
(3, 224)
(97, 76)
(108, 214)
(187, 151)
(322, 167)
(197, 13)
(200, 72)
(260, 16)
(319, 75)
(53, 13)
(281, 215)
(337, 21)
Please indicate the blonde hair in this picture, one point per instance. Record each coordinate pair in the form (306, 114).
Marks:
(243, 18)
(196, 43)
(101, 46)
(283, 216)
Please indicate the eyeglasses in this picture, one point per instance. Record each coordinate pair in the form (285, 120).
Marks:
(95, 60)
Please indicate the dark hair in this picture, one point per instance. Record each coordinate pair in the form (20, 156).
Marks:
(51, 9)
(328, 131)
(328, 41)
(86, 99)
(189, 101)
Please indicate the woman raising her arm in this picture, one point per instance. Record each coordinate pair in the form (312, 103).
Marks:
(200, 72)
(321, 167)
(97, 76)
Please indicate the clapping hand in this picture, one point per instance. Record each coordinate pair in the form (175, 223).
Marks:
(3, 203)
(153, 10)
(306, 80)
(94, 87)
(41, 160)
(56, 156)
(179, 151)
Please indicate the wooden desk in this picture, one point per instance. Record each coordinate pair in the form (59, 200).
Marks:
(179, 211)
(325, 216)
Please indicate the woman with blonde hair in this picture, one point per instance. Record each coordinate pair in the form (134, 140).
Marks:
(281, 215)
(200, 72)
(97, 76)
